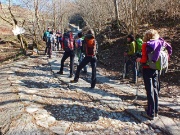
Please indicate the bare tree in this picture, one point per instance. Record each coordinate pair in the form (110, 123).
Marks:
(11, 19)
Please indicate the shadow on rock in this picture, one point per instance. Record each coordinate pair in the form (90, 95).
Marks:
(78, 113)
(40, 85)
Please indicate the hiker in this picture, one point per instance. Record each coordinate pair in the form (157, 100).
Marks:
(68, 46)
(53, 40)
(90, 49)
(152, 45)
(79, 47)
(139, 43)
(58, 34)
(46, 38)
(131, 55)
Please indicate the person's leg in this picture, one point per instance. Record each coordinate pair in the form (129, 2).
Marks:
(72, 55)
(84, 62)
(46, 49)
(147, 76)
(57, 45)
(134, 71)
(85, 68)
(93, 65)
(80, 60)
(65, 56)
(127, 67)
(156, 92)
(61, 45)
(158, 81)
(50, 50)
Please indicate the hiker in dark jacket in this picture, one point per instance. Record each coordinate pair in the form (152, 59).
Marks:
(90, 50)
(68, 46)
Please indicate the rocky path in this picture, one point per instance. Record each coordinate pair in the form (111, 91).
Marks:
(34, 100)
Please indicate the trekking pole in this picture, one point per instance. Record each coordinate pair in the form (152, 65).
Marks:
(137, 82)
(124, 68)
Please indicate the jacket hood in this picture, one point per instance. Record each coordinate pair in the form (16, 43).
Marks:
(154, 43)
(89, 36)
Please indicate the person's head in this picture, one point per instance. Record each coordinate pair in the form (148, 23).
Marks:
(67, 30)
(138, 36)
(91, 32)
(130, 38)
(48, 29)
(151, 35)
(80, 35)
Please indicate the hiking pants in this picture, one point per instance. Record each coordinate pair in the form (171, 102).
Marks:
(81, 56)
(48, 49)
(85, 61)
(150, 81)
(57, 45)
(134, 68)
(65, 56)
(158, 82)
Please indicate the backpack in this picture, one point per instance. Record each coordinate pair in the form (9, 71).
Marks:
(139, 43)
(162, 62)
(79, 43)
(68, 42)
(46, 36)
(90, 47)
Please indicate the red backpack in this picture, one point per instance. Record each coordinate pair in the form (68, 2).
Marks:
(68, 42)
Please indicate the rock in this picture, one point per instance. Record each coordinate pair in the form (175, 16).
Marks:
(39, 116)
(42, 123)
(31, 109)
(51, 120)
(75, 133)
(60, 128)
(157, 131)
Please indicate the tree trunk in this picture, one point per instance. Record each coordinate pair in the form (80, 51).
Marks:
(116, 10)
(54, 15)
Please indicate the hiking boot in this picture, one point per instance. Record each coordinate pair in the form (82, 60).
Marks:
(73, 81)
(84, 72)
(134, 82)
(126, 76)
(61, 73)
(71, 75)
(156, 115)
(147, 116)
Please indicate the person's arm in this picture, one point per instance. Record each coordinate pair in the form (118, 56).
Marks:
(144, 54)
(132, 49)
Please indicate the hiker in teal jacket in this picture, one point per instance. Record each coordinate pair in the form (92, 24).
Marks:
(46, 38)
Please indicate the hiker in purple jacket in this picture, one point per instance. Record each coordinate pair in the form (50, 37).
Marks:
(152, 43)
